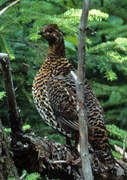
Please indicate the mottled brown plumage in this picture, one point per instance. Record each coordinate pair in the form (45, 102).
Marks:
(55, 97)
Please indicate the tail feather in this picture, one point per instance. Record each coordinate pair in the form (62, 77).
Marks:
(98, 139)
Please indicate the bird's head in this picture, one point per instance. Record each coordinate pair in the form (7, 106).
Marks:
(51, 33)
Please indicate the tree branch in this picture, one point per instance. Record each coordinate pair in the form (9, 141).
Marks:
(7, 166)
(9, 6)
(3, 4)
(124, 147)
(14, 118)
(82, 109)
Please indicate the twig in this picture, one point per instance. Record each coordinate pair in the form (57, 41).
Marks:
(23, 176)
(123, 166)
(81, 108)
(3, 4)
(14, 118)
(9, 6)
(124, 147)
(120, 151)
(59, 162)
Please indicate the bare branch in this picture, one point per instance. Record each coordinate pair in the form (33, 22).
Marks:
(121, 151)
(15, 120)
(9, 6)
(3, 56)
(3, 4)
(86, 166)
(124, 147)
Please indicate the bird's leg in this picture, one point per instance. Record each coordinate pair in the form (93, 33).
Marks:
(76, 143)
(76, 149)
(68, 142)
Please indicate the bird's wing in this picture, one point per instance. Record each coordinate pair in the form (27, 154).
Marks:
(62, 96)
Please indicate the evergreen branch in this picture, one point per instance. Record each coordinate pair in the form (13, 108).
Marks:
(9, 6)
(2, 5)
(23, 176)
(108, 88)
(74, 3)
(56, 4)
(124, 147)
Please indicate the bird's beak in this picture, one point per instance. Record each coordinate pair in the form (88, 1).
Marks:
(39, 32)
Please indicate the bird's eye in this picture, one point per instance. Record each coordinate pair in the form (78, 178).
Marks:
(50, 31)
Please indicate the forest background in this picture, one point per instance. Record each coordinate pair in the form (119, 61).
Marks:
(106, 57)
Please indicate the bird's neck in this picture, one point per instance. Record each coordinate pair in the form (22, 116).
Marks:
(57, 49)
(56, 62)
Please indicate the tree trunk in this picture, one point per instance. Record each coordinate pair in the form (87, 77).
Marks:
(7, 166)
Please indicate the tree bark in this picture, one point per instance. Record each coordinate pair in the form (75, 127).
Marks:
(14, 118)
(7, 166)
(82, 109)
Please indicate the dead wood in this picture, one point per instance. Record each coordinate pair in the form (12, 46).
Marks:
(7, 166)
(14, 118)
(82, 109)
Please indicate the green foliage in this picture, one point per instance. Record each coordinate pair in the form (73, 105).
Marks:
(2, 94)
(7, 130)
(117, 155)
(116, 133)
(95, 14)
(32, 176)
(114, 102)
(25, 127)
(116, 137)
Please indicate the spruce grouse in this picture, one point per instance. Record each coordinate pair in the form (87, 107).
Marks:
(54, 95)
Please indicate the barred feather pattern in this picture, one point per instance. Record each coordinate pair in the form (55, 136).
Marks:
(54, 95)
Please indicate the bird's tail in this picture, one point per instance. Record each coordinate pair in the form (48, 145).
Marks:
(98, 139)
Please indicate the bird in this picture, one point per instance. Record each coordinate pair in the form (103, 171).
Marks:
(54, 95)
